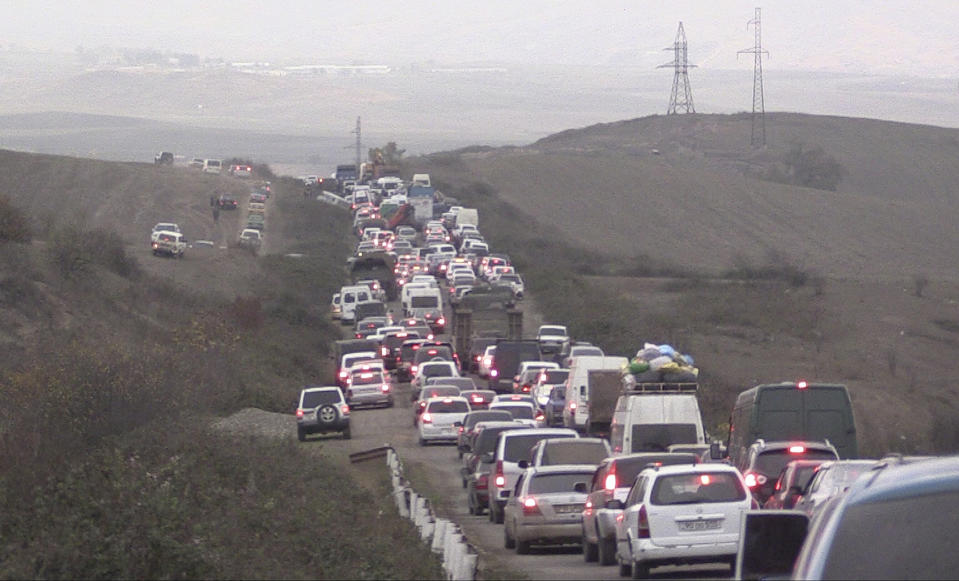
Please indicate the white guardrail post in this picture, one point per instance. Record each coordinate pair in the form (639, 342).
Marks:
(443, 535)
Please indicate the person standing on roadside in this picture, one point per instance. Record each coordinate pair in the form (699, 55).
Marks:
(216, 213)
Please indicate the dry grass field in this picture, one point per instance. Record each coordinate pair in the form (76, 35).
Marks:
(875, 300)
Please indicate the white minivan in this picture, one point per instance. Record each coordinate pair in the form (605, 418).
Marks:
(212, 166)
(651, 422)
(349, 296)
(576, 412)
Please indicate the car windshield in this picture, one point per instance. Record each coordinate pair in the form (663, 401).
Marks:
(313, 399)
(925, 526)
(697, 487)
(519, 412)
(454, 406)
(574, 453)
(771, 463)
(557, 482)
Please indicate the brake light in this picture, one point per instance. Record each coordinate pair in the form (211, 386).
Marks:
(344, 374)
(500, 480)
(530, 506)
(797, 449)
(487, 361)
(461, 430)
(802, 385)
(705, 479)
(477, 399)
(572, 406)
(493, 373)
(299, 412)
(345, 409)
(441, 321)
(540, 416)
(384, 351)
(643, 524)
(413, 369)
(611, 480)
(385, 388)
(525, 388)
(482, 483)
(753, 480)
(426, 418)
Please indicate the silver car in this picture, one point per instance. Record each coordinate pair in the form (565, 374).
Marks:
(546, 507)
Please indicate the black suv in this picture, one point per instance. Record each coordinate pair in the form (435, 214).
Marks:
(225, 202)
(322, 410)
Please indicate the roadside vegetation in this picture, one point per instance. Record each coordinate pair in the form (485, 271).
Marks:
(108, 468)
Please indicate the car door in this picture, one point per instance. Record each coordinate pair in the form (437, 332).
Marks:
(628, 523)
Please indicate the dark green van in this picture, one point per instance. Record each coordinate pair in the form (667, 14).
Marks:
(793, 411)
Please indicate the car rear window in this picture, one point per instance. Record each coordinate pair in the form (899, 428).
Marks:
(554, 376)
(367, 378)
(517, 447)
(574, 453)
(436, 370)
(697, 487)
(449, 407)
(657, 437)
(909, 538)
(440, 392)
(627, 469)
(771, 463)
(486, 416)
(313, 399)
(557, 482)
(519, 412)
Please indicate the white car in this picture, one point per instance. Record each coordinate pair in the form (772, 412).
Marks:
(551, 338)
(437, 422)
(681, 514)
(522, 411)
(433, 369)
(514, 282)
(163, 227)
(486, 361)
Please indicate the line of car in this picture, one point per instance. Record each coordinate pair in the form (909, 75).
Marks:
(792, 447)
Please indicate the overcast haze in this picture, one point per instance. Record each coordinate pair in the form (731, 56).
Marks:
(901, 37)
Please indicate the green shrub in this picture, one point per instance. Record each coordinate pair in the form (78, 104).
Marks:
(74, 250)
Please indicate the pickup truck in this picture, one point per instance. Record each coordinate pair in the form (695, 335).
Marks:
(169, 243)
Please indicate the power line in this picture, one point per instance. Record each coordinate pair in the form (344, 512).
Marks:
(759, 106)
(680, 65)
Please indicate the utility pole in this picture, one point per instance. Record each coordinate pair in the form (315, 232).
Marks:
(680, 65)
(359, 145)
(759, 106)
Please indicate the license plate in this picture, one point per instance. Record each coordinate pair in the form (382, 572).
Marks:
(700, 525)
(568, 508)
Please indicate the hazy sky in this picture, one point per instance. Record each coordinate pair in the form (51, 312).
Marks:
(897, 36)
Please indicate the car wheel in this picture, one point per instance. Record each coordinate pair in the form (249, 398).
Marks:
(590, 551)
(327, 414)
(346, 434)
(422, 442)
(498, 516)
(625, 569)
(300, 434)
(607, 551)
(640, 570)
(522, 547)
(508, 541)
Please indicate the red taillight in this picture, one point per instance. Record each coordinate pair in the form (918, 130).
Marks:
(385, 388)
(426, 418)
(384, 351)
(500, 480)
(540, 416)
(413, 370)
(525, 388)
(299, 413)
(344, 374)
(643, 525)
(482, 483)
(478, 399)
(345, 409)
(441, 321)
(487, 361)
(753, 480)
(461, 430)
(705, 479)
(802, 385)
(493, 373)
(572, 406)
(797, 449)
(530, 506)
(477, 357)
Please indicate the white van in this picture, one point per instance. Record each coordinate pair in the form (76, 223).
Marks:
(576, 411)
(424, 300)
(408, 289)
(421, 179)
(349, 296)
(652, 422)
(212, 166)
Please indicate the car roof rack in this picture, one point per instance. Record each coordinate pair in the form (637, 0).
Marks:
(632, 388)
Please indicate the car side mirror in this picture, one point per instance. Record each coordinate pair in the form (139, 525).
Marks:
(524, 464)
(614, 505)
(581, 487)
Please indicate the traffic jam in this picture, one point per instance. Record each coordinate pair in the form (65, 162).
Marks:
(561, 445)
